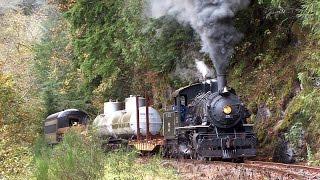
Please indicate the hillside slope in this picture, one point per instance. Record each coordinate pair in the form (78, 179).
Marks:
(276, 71)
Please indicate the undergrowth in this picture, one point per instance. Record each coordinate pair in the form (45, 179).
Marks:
(78, 157)
(312, 160)
(125, 165)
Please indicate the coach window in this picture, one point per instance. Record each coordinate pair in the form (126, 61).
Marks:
(73, 121)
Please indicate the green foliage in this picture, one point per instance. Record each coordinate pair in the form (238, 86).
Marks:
(116, 45)
(76, 157)
(307, 10)
(123, 164)
(310, 15)
(167, 41)
(283, 5)
(7, 98)
(15, 153)
(305, 107)
(294, 135)
(276, 67)
(102, 44)
(275, 3)
(20, 107)
(312, 161)
(56, 72)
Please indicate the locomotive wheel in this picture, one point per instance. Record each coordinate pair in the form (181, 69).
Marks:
(164, 151)
(199, 157)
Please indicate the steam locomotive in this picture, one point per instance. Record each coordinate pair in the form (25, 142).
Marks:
(207, 121)
(211, 124)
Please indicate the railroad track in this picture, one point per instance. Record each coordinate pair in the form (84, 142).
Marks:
(298, 171)
(193, 169)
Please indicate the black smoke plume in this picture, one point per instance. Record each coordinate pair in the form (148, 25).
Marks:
(211, 19)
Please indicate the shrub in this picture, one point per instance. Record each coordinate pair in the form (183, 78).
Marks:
(124, 164)
(310, 16)
(76, 157)
(311, 158)
(80, 158)
(295, 134)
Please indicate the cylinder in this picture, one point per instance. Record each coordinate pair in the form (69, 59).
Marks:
(122, 124)
(111, 107)
(155, 121)
(119, 125)
(222, 81)
(100, 125)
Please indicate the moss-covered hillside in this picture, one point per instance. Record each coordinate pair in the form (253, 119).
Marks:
(276, 70)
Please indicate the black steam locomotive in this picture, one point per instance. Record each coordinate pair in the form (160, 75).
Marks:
(209, 122)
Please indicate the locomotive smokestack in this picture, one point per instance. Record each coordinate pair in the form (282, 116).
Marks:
(222, 81)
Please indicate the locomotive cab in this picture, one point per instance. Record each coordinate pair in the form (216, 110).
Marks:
(184, 96)
(178, 115)
(57, 124)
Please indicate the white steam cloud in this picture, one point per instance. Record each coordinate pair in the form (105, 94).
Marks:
(211, 19)
(203, 69)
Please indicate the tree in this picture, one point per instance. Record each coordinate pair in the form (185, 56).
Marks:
(117, 47)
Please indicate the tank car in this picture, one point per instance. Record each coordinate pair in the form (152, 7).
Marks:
(57, 124)
(208, 121)
(132, 122)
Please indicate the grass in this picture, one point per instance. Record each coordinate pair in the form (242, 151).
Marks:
(122, 164)
(79, 157)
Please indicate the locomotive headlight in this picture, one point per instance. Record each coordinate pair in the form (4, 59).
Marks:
(227, 109)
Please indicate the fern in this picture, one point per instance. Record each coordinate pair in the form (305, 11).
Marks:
(310, 16)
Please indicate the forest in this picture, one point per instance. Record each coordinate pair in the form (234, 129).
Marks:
(61, 54)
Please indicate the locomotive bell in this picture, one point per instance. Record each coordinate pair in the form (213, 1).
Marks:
(225, 90)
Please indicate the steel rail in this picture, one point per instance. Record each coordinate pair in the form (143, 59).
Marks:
(249, 169)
